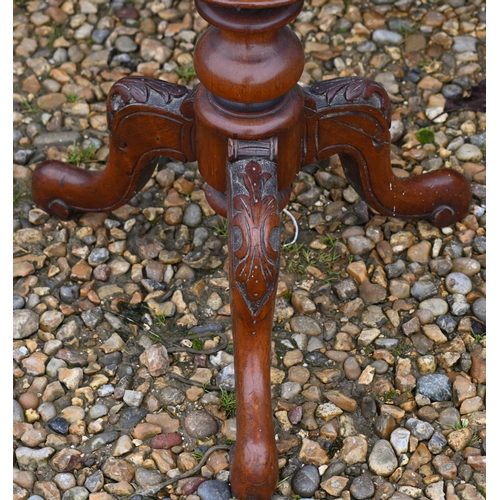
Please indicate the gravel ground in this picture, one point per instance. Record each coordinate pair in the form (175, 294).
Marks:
(122, 346)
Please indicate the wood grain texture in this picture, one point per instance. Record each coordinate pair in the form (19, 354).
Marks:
(351, 117)
(147, 118)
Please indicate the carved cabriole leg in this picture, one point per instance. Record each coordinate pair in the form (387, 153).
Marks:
(147, 118)
(254, 244)
(351, 116)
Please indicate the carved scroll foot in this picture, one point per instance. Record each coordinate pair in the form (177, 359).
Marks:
(351, 117)
(254, 244)
(147, 118)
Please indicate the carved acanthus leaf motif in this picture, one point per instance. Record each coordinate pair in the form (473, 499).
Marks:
(138, 90)
(255, 236)
(352, 88)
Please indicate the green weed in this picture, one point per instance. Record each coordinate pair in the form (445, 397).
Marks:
(388, 396)
(73, 97)
(228, 402)
(198, 344)
(425, 135)
(221, 229)
(79, 155)
(187, 72)
(29, 108)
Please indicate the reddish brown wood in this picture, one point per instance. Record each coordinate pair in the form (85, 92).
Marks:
(251, 128)
(147, 118)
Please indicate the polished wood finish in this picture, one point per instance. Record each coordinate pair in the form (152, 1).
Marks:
(251, 128)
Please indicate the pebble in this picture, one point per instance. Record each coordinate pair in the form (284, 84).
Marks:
(382, 460)
(200, 424)
(362, 488)
(479, 309)
(214, 490)
(306, 481)
(436, 387)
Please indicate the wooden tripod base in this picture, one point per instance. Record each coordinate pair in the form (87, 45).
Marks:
(251, 128)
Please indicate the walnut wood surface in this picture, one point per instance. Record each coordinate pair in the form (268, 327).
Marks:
(251, 127)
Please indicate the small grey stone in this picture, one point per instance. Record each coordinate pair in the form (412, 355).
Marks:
(65, 480)
(453, 249)
(423, 289)
(458, 304)
(435, 386)
(382, 460)
(100, 440)
(99, 36)
(437, 443)
(214, 490)
(130, 417)
(98, 410)
(95, 481)
(201, 235)
(92, 317)
(171, 396)
(53, 367)
(25, 323)
(147, 477)
(387, 37)
(125, 44)
(47, 411)
(437, 306)
(192, 215)
(225, 378)
(478, 140)
(464, 44)
(380, 366)
(458, 283)
(200, 424)
(18, 302)
(33, 459)
(306, 325)
(133, 398)
(397, 130)
(362, 487)
(395, 270)
(317, 359)
(18, 413)
(366, 46)
(469, 152)
(479, 309)
(359, 245)
(22, 156)
(290, 389)
(345, 289)
(306, 481)
(57, 139)
(446, 323)
(69, 293)
(98, 256)
(420, 429)
(441, 265)
(106, 390)
(451, 90)
(76, 493)
(59, 425)
(479, 244)
(309, 197)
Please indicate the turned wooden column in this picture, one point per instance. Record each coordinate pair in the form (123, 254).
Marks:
(249, 118)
